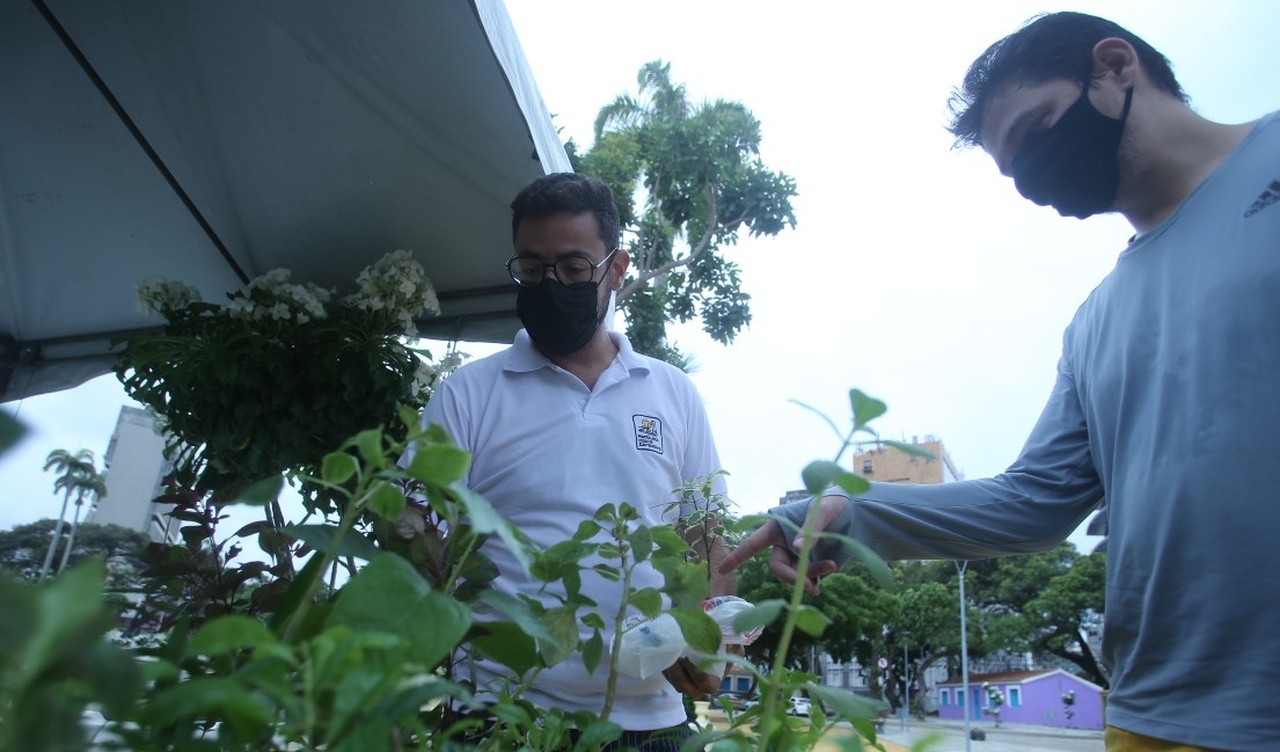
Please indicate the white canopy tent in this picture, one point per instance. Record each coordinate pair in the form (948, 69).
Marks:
(209, 141)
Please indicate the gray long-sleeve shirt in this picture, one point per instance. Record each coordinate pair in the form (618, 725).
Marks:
(1167, 401)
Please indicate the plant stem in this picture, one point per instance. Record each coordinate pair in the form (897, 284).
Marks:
(768, 716)
(349, 516)
(618, 620)
(789, 626)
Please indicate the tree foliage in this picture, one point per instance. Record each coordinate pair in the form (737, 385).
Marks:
(688, 179)
(1051, 601)
(1045, 603)
(23, 546)
(858, 611)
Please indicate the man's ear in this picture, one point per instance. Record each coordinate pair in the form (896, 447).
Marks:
(1114, 57)
(621, 262)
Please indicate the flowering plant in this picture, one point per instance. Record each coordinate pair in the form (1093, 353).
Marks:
(282, 373)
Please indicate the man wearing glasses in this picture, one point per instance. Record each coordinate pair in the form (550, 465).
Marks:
(570, 418)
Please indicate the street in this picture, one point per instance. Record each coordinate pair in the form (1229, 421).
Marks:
(1010, 737)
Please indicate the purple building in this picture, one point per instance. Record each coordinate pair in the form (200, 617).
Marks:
(1045, 697)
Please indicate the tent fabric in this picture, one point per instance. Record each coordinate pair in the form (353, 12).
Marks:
(313, 135)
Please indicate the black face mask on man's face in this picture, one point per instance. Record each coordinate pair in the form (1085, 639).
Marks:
(1073, 165)
(560, 319)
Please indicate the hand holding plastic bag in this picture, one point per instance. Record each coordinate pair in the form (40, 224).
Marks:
(652, 645)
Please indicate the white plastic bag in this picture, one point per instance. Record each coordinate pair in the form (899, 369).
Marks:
(649, 645)
(723, 609)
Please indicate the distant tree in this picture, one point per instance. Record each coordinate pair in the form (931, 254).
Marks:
(1048, 602)
(77, 476)
(688, 179)
(22, 547)
(858, 610)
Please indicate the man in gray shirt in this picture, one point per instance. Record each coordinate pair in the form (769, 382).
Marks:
(1167, 400)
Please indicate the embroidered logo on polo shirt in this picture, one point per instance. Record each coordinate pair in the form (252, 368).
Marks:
(648, 433)
(1270, 197)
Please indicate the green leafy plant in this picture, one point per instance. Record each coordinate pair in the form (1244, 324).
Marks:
(374, 661)
(280, 374)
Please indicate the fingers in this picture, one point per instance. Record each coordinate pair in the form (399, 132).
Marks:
(783, 565)
(829, 509)
(823, 568)
(766, 536)
(688, 679)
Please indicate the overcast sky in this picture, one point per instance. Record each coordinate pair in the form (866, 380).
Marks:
(915, 273)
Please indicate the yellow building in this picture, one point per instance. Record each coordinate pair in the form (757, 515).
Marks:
(888, 464)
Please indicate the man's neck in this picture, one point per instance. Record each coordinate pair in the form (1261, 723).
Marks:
(591, 361)
(1180, 151)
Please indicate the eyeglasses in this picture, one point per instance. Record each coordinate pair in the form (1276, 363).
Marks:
(570, 271)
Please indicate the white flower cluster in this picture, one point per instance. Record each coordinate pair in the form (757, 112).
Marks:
(399, 285)
(395, 284)
(428, 375)
(272, 297)
(157, 295)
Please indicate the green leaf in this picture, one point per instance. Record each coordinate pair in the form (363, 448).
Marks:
(865, 409)
(338, 467)
(293, 599)
(204, 696)
(410, 417)
(228, 633)
(320, 537)
(761, 615)
(370, 445)
(592, 650)
(866, 728)
(875, 565)
(820, 475)
(846, 705)
(587, 530)
(10, 431)
(439, 464)
(563, 624)
(386, 500)
(647, 601)
(641, 543)
(261, 493)
(114, 675)
(67, 607)
(518, 612)
(598, 734)
(507, 644)
(699, 630)
(18, 618)
(389, 596)
(355, 691)
(485, 519)
(852, 483)
(811, 621)
(668, 540)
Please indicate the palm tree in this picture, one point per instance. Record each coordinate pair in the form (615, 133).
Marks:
(688, 179)
(73, 472)
(92, 486)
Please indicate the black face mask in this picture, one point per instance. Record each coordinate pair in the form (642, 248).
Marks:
(1072, 166)
(560, 320)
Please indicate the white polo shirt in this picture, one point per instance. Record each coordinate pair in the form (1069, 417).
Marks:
(547, 452)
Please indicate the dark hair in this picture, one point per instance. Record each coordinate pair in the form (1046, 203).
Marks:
(1047, 47)
(571, 193)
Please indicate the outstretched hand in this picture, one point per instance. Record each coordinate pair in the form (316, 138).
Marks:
(783, 560)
